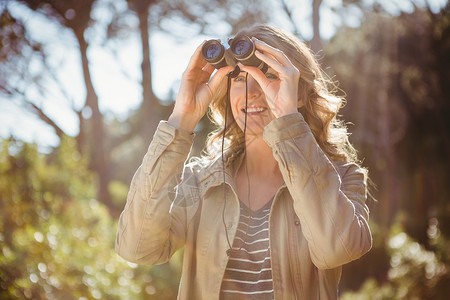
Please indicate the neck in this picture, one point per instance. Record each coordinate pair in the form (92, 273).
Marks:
(259, 157)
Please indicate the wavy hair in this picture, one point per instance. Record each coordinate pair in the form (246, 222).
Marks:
(320, 109)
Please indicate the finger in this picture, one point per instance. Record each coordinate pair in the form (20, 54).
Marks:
(276, 53)
(197, 60)
(217, 78)
(271, 62)
(286, 72)
(259, 76)
(207, 70)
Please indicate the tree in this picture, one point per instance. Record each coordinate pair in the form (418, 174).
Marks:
(57, 240)
(415, 272)
(95, 137)
(316, 41)
(76, 16)
(397, 89)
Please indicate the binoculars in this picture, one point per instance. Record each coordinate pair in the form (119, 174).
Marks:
(240, 49)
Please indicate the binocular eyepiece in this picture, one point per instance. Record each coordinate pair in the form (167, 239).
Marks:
(240, 49)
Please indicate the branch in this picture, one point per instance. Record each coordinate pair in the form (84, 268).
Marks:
(38, 111)
(291, 19)
(44, 117)
(118, 141)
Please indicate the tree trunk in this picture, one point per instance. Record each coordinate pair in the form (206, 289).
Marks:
(316, 41)
(149, 111)
(93, 132)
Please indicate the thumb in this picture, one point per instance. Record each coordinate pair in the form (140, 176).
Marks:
(258, 75)
(218, 77)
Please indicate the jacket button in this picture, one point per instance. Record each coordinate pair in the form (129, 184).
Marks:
(297, 223)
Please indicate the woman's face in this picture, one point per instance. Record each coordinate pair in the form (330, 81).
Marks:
(258, 111)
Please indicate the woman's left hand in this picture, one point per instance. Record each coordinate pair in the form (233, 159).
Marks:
(281, 93)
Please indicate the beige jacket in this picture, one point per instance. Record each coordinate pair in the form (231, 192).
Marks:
(318, 221)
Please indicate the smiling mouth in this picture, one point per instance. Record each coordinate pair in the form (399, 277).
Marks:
(253, 110)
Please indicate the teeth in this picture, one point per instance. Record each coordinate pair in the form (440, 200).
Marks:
(254, 109)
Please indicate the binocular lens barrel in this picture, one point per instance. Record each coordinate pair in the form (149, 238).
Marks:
(241, 50)
(214, 53)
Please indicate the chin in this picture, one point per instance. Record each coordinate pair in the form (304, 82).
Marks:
(253, 128)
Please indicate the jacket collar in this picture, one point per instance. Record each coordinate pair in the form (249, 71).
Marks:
(211, 173)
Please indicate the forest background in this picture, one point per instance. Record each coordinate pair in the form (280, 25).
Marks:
(60, 200)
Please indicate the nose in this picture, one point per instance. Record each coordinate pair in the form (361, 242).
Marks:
(253, 88)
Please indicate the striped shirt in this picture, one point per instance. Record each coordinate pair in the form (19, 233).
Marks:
(249, 272)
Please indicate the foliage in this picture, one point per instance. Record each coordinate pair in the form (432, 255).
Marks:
(17, 52)
(57, 240)
(94, 23)
(57, 235)
(415, 272)
(395, 72)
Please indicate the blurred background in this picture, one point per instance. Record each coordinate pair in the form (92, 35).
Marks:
(84, 83)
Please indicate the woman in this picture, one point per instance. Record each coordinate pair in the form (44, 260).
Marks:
(279, 210)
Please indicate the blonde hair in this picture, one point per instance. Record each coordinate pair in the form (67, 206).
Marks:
(320, 108)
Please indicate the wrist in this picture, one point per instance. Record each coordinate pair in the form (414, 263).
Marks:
(182, 122)
(282, 113)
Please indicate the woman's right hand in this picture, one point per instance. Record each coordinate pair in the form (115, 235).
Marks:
(196, 91)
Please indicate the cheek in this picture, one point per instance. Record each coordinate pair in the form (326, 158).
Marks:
(234, 101)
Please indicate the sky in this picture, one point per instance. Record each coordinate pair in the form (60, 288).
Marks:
(116, 69)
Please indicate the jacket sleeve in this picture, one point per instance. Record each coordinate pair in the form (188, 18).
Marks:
(152, 227)
(330, 204)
